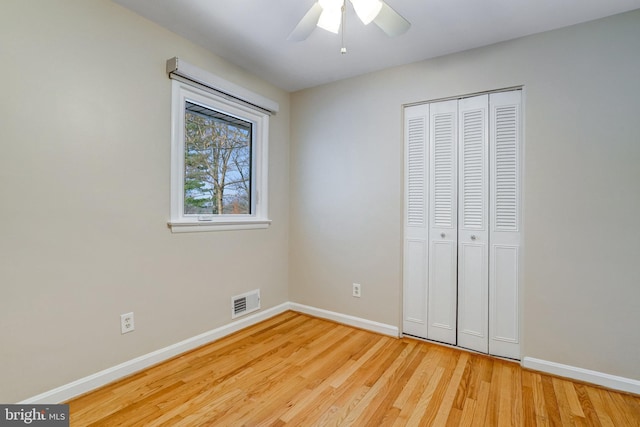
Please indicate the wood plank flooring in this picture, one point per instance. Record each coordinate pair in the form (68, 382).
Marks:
(296, 370)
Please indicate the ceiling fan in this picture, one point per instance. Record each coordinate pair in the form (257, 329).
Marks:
(329, 14)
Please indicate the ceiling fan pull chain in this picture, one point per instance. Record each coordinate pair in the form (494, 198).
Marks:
(343, 49)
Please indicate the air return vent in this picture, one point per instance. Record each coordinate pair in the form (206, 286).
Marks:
(245, 303)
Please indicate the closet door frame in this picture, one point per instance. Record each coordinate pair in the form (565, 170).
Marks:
(505, 337)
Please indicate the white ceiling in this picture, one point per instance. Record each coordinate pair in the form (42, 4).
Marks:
(253, 33)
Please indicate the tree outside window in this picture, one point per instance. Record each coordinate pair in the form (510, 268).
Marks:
(217, 150)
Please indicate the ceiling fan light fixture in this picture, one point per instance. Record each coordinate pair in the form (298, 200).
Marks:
(330, 20)
(331, 15)
(367, 10)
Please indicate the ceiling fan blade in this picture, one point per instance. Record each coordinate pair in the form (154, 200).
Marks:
(307, 24)
(390, 21)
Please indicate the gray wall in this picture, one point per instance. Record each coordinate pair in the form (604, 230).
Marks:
(84, 184)
(582, 187)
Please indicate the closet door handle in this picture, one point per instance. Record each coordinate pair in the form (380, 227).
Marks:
(473, 237)
(442, 235)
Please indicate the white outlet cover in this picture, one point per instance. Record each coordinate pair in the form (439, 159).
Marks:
(357, 290)
(127, 323)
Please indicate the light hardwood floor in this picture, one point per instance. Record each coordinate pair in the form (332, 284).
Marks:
(297, 370)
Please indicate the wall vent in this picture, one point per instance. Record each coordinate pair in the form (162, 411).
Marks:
(245, 303)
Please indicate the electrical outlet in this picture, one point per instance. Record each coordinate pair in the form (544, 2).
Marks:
(356, 290)
(126, 323)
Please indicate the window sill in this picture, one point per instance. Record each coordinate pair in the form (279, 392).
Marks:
(224, 225)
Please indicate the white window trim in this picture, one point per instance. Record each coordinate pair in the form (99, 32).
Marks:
(180, 223)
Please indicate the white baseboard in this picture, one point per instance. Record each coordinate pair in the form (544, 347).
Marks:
(104, 377)
(357, 322)
(91, 382)
(99, 379)
(605, 380)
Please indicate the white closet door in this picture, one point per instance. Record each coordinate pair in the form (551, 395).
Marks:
(442, 294)
(504, 255)
(473, 224)
(416, 255)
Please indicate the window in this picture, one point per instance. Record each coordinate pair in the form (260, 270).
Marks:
(219, 162)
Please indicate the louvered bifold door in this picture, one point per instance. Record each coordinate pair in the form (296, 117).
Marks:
(473, 223)
(442, 295)
(505, 223)
(416, 254)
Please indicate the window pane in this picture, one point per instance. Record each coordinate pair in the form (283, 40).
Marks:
(217, 162)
